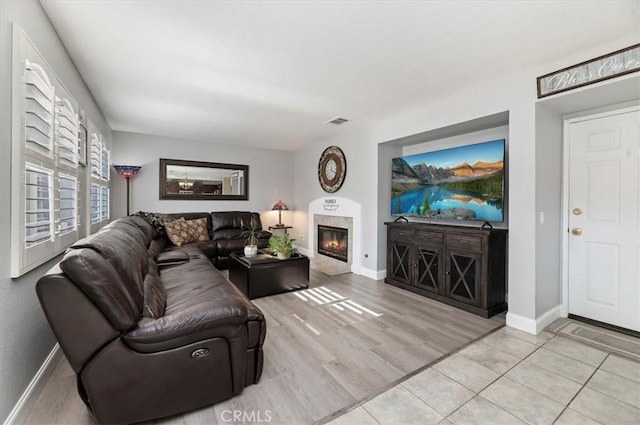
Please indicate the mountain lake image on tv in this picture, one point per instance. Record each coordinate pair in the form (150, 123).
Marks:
(462, 183)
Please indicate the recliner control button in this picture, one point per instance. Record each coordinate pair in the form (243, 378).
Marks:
(199, 353)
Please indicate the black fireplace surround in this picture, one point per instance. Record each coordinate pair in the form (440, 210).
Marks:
(333, 242)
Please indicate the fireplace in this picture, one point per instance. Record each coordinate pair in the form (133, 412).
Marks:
(333, 242)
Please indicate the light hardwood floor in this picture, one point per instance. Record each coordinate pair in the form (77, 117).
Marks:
(345, 339)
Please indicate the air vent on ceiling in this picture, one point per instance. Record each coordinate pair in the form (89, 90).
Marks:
(337, 121)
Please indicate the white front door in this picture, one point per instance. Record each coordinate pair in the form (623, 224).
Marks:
(604, 229)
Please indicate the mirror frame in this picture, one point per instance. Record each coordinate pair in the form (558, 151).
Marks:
(163, 181)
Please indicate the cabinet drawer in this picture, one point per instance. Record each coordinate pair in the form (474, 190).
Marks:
(428, 237)
(400, 233)
(466, 242)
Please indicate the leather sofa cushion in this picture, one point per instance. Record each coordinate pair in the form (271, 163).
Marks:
(190, 249)
(227, 246)
(155, 247)
(122, 246)
(143, 225)
(100, 281)
(200, 304)
(208, 247)
(155, 296)
(228, 234)
(242, 220)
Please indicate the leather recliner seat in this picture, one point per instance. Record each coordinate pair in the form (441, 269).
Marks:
(149, 333)
(227, 232)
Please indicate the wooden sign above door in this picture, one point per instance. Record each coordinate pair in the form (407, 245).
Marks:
(620, 62)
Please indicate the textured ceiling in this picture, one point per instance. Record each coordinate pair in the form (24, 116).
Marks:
(269, 74)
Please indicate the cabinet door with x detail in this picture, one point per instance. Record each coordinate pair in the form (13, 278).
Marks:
(400, 264)
(463, 276)
(429, 268)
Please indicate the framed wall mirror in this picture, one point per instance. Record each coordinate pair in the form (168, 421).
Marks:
(196, 180)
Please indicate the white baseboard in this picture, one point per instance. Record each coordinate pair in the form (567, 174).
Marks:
(522, 323)
(39, 379)
(373, 274)
(534, 326)
(548, 318)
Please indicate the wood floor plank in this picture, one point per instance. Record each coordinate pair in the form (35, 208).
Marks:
(59, 404)
(345, 340)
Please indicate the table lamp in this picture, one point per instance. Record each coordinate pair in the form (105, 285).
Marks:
(280, 206)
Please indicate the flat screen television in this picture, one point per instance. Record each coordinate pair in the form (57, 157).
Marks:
(462, 183)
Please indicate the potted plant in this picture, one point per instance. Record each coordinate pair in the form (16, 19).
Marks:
(282, 246)
(251, 248)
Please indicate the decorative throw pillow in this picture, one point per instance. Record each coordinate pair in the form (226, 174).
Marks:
(198, 228)
(157, 220)
(179, 232)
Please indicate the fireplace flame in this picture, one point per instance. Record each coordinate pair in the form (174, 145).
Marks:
(334, 244)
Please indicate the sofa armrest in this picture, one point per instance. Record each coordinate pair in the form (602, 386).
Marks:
(79, 326)
(172, 257)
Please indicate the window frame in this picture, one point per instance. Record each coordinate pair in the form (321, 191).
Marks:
(100, 178)
(54, 117)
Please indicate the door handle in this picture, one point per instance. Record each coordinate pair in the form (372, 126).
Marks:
(576, 211)
(576, 231)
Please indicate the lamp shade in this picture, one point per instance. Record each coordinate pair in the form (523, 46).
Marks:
(127, 171)
(280, 206)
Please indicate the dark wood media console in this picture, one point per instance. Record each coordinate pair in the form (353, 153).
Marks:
(465, 267)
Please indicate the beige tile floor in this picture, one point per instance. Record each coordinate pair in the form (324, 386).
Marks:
(511, 377)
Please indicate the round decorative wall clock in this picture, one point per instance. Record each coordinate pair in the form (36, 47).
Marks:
(332, 169)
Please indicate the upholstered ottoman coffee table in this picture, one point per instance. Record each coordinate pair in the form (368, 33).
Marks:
(264, 274)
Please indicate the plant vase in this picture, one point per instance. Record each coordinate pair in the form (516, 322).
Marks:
(250, 250)
(283, 255)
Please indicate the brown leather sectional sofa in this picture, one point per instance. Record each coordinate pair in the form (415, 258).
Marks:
(150, 331)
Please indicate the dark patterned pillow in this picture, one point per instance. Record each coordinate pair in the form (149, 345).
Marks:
(157, 220)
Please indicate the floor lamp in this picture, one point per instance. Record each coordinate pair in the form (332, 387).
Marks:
(127, 171)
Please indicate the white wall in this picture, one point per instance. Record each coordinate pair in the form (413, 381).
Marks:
(25, 336)
(270, 175)
(548, 203)
(386, 152)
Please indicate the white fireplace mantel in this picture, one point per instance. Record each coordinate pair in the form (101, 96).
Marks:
(336, 206)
